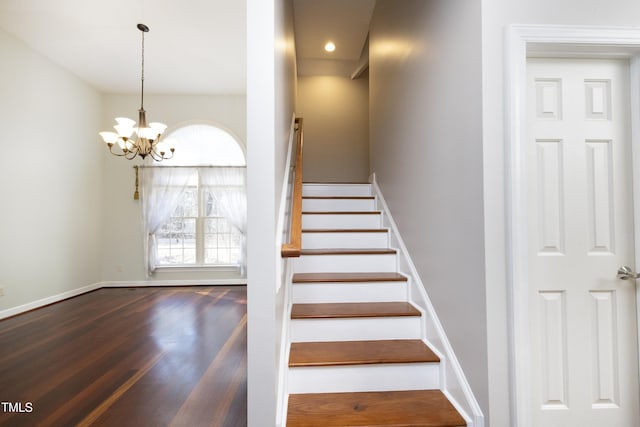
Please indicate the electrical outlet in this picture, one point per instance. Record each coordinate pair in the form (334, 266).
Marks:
(119, 268)
(1, 292)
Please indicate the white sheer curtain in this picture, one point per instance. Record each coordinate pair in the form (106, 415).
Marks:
(228, 187)
(161, 191)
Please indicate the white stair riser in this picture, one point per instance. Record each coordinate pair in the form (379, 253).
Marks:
(345, 240)
(385, 377)
(341, 221)
(340, 205)
(374, 328)
(336, 189)
(349, 292)
(385, 263)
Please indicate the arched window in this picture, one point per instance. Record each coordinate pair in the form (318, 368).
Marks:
(204, 145)
(206, 228)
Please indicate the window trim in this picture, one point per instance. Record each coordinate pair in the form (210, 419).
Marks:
(169, 268)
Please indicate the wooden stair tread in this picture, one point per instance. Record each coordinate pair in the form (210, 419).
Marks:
(346, 230)
(348, 277)
(337, 182)
(353, 310)
(416, 408)
(341, 213)
(336, 353)
(348, 251)
(339, 197)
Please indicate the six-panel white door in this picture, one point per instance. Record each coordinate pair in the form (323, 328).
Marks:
(583, 331)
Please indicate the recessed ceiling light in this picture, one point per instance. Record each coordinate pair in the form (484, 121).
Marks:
(329, 47)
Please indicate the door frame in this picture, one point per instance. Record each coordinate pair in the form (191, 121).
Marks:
(563, 42)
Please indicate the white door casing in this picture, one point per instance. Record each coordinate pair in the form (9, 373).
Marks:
(583, 337)
(571, 41)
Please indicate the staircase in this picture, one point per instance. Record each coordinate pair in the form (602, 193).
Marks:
(357, 355)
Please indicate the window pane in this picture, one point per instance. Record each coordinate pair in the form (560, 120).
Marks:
(189, 256)
(190, 227)
(208, 204)
(189, 203)
(176, 242)
(210, 227)
(222, 242)
(236, 238)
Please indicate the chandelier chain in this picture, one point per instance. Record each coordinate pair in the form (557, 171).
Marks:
(142, 76)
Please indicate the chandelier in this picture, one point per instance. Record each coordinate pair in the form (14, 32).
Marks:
(142, 140)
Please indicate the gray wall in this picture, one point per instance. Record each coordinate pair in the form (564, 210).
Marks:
(51, 176)
(426, 151)
(336, 127)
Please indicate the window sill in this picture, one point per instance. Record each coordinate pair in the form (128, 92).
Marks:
(196, 268)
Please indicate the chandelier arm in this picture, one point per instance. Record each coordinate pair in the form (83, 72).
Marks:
(115, 153)
(159, 154)
(172, 151)
(131, 155)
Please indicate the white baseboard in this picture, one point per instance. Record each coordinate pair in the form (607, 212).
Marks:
(13, 311)
(48, 300)
(152, 283)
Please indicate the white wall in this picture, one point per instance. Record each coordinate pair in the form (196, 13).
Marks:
(336, 127)
(426, 151)
(123, 249)
(270, 106)
(286, 87)
(51, 174)
(496, 16)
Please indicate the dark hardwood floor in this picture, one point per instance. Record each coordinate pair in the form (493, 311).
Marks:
(128, 357)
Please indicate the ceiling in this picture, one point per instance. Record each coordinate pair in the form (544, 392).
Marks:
(201, 41)
(345, 22)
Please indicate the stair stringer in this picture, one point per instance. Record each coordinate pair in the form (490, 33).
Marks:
(453, 381)
(285, 341)
(284, 274)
